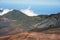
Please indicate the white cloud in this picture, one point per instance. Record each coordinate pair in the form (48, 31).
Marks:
(29, 12)
(5, 11)
(25, 11)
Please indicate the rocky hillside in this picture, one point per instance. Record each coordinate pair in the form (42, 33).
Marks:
(21, 20)
(14, 24)
(6, 27)
(51, 21)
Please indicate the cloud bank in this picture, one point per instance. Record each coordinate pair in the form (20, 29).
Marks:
(28, 12)
(4, 11)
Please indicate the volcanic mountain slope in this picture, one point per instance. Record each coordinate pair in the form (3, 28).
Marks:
(7, 20)
(50, 21)
(15, 22)
(21, 20)
(49, 25)
(41, 27)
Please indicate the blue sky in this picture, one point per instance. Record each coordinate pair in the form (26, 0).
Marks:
(38, 6)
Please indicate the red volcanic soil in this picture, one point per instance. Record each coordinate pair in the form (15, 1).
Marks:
(31, 36)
